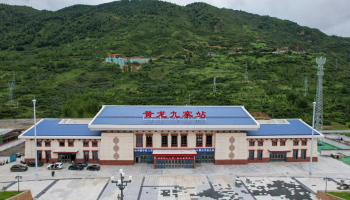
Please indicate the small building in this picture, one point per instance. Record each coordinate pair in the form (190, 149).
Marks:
(9, 135)
(172, 137)
(113, 55)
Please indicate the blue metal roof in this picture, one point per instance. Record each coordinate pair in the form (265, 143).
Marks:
(51, 127)
(295, 127)
(133, 115)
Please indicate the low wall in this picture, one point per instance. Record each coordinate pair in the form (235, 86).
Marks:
(336, 143)
(337, 137)
(26, 195)
(324, 196)
(328, 152)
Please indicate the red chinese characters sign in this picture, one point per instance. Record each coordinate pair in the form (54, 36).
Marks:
(173, 114)
(175, 158)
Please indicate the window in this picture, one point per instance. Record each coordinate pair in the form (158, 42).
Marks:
(71, 144)
(303, 143)
(47, 144)
(86, 144)
(296, 143)
(174, 140)
(259, 155)
(295, 154)
(94, 144)
(251, 143)
(209, 140)
(251, 155)
(48, 155)
(94, 155)
(274, 143)
(148, 140)
(199, 141)
(184, 140)
(260, 143)
(139, 140)
(283, 143)
(61, 144)
(303, 154)
(164, 140)
(38, 144)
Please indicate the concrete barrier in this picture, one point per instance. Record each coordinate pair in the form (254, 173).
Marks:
(328, 152)
(336, 143)
(26, 195)
(324, 196)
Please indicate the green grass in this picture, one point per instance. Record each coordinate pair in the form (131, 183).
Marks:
(326, 146)
(7, 195)
(344, 195)
(346, 160)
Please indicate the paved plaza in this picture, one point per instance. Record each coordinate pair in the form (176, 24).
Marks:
(265, 181)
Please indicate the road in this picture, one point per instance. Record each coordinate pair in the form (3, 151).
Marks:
(336, 131)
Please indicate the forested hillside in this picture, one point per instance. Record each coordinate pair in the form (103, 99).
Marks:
(60, 58)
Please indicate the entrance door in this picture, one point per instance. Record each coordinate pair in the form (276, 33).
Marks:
(278, 157)
(86, 156)
(143, 159)
(137, 159)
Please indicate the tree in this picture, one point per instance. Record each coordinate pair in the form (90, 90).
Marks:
(0, 140)
(81, 112)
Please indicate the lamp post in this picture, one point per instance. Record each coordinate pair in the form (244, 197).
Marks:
(326, 183)
(18, 177)
(120, 183)
(36, 153)
(312, 138)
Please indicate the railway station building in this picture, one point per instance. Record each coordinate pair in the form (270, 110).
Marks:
(171, 137)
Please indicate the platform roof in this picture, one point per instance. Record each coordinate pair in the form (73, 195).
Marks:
(119, 117)
(52, 128)
(294, 127)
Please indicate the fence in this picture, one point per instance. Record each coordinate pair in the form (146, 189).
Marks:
(123, 61)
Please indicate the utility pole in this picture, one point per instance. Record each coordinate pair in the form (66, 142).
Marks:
(306, 91)
(319, 94)
(11, 86)
(312, 137)
(246, 73)
(36, 152)
(214, 88)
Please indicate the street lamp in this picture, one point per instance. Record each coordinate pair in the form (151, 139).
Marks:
(120, 182)
(18, 177)
(36, 153)
(312, 138)
(326, 183)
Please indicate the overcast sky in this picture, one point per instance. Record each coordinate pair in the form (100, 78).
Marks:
(330, 16)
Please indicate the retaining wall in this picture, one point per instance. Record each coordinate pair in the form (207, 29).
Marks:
(328, 152)
(336, 143)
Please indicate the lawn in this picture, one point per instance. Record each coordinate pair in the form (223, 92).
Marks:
(6, 195)
(344, 195)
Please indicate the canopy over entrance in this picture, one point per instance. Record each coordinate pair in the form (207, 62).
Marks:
(175, 153)
(280, 151)
(66, 151)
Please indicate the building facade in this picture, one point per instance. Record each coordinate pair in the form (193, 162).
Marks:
(172, 137)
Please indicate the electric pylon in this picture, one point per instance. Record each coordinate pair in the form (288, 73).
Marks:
(319, 95)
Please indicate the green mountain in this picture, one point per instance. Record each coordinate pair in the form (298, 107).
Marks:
(60, 58)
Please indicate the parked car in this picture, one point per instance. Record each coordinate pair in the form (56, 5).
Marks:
(18, 154)
(32, 164)
(76, 167)
(54, 165)
(82, 163)
(93, 168)
(18, 168)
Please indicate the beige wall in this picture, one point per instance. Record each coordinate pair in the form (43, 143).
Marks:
(222, 144)
(125, 151)
(267, 145)
(78, 145)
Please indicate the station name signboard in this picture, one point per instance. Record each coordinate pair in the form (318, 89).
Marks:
(174, 115)
(175, 158)
(206, 150)
(143, 150)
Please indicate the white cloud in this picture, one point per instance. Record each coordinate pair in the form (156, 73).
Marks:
(331, 17)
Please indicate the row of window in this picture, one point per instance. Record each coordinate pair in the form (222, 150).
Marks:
(70, 144)
(174, 140)
(295, 154)
(282, 143)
